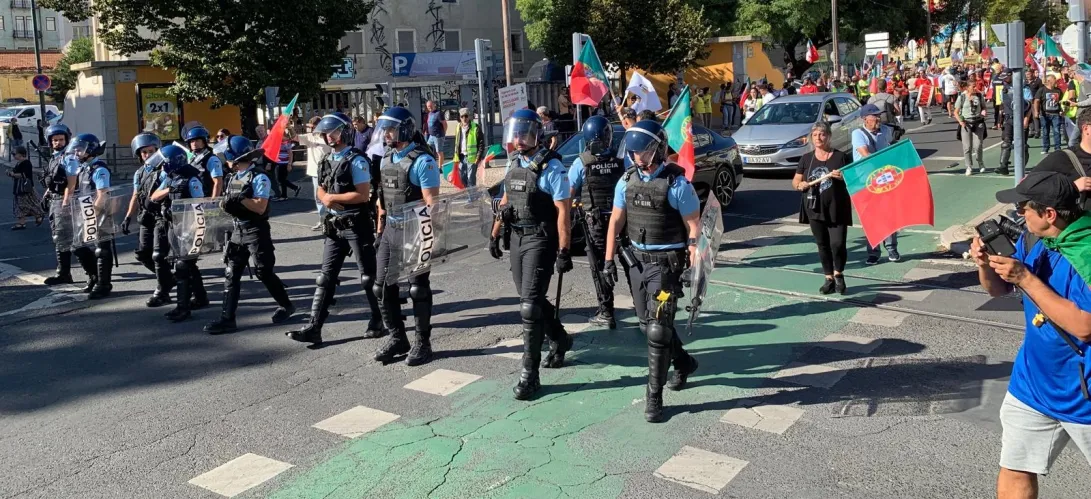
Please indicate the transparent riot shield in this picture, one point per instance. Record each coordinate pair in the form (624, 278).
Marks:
(96, 216)
(469, 224)
(195, 224)
(421, 237)
(708, 245)
(60, 223)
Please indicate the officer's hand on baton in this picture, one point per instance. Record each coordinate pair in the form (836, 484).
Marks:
(125, 225)
(609, 273)
(687, 277)
(494, 248)
(564, 261)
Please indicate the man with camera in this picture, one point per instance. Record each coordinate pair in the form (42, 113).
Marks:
(1074, 162)
(1048, 403)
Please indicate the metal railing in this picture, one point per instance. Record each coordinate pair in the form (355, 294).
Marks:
(119, 158)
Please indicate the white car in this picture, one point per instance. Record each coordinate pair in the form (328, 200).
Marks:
(776, 136)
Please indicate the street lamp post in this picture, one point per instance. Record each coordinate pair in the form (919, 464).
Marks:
(836, 54)
(38, 64)
(507, 40)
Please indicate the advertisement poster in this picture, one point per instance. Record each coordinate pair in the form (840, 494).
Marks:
(160, 112)
(512, 99)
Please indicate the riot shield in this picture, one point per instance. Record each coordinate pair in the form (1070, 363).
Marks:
(96, 218)
(195, 224)
(708, 245)
(421, 237)
(60, 223)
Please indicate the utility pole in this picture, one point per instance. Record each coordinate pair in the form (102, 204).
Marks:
(835, 56)
(38, 64)
(928, 9)
(1077, 13)
(507, 40)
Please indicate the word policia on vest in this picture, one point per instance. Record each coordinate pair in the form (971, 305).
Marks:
(198, 229)
(90, 219)
(427, 239)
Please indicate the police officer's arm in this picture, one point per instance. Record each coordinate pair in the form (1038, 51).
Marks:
(617, 220)
(215, 168)
(427, 177)
(560, 189)
(496, 224)
(132, 200)
(70, 168)
(101, 179)
(262, 187)
(163, 190)
(575, 177)
(684, 198)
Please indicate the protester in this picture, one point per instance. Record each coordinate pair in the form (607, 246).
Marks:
(808, 87)
(435, 131)
(923, 84)
(726, 101)
(949, 82)
(549, 127)
(998, 84)
(1033, 83)
(628, 117)
(222, 134)
(1075, 162)
(1047, 403)
(316, 152)
(1071, 110)
(970, 113)
(767, 94)
(26, 202)
(868, 140)
(284, 167)
(1007, 134)
(702, 106)
(753, 103)
(826, 205)
(469, 147)
(15, 137)
(672, 94)
(360, 134)
(1047, 106)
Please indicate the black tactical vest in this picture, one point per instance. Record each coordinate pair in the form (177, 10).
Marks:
(85, 182)
(532, 206)
(147, 184)
(600, 179)
(200, 162)
(335, 175)
(242, 184)
(56, 179)
(397, 189)
(649, 216)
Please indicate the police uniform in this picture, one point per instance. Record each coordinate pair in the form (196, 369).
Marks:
(593, 179)
(209, 167)
(184, 184)
(61, 166)
(654, 207)
(153, 244)
(405, 175)
(532, 185)
(98, 263)
(347, 230)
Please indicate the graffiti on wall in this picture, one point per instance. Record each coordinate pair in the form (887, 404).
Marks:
(436, 32)
(378, 35)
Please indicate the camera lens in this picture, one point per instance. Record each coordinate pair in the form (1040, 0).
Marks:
(1011, 228)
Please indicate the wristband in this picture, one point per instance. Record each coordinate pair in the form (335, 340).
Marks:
(691, 241)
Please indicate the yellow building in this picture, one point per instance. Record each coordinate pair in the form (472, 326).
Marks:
(16, 71)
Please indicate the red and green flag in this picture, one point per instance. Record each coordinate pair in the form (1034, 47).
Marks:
(588, 85)
(679, 128)
(890, 191)
(276, 136)
(1051, 49)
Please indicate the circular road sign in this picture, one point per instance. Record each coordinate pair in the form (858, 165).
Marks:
(41, 82)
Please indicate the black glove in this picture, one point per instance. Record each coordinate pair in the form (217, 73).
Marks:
(494, 248)
(609, 273)
(687, 277)
(564, 261)
(125, 225)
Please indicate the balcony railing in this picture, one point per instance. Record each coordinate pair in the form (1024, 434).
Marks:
(20, 4)
(27, 34)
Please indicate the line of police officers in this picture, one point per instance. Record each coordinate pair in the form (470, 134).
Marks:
(641, 209)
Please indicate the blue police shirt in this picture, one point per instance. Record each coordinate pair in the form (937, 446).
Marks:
(261, 184)
(215, 167)
(1046, 370)
(424, 173)
(553, 179)
(576, 175)
(71, 164)
(860, 139)
(360, 172)
(101, 178)
(136, 178)
(681, 197)
(196, 190)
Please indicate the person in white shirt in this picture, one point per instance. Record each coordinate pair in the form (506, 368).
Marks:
(316, 151)
(950, 90)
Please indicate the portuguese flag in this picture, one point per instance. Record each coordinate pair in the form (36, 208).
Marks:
(275, 139)
(588, 85)
(890, 191)
(679, 128)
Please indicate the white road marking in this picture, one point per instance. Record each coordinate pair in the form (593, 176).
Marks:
(944, 158)
(442, 382)
(736, 253)
(700, 469)
(849, 343)
(919, 274)
(872, 316)
(771, 418)
(940, 261)
(813, 375)
(506, 344)
(905, 294)
(792, 229)
(240, 474)
(356, 421)
(58, 295)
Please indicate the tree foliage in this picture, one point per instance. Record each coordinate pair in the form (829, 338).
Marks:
(1033, 13)
(64, 79)
(229, 51)
(660, 36)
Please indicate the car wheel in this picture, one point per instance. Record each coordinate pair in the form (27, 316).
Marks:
(724, 186)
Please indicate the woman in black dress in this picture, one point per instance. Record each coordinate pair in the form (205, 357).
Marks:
(826, 205)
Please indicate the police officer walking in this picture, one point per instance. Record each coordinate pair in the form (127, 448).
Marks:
(409, 174)
(661, 212)
(536, 195)
(93, 176)
(60, 176)
(145, 182)
(247, 199)
(600, 169)
(344, 187)
(179, 180)
(205, 160)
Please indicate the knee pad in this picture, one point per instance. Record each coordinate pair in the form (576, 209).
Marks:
(323, 281)
(659, 336)
(229, 273)
(530, 312)
(159, 256)
(419, 292)
(367, 282)
(103, 252)
(378, 290)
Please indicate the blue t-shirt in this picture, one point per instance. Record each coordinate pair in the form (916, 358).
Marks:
(196, 190)
(681, 197)
(1045, 372)
(261, 184)
(360, 169)
(860, 139)
(424, 173)
(553, 179)
(435, 125)
(215, 167)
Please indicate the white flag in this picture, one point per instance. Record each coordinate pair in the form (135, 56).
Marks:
(642, 88)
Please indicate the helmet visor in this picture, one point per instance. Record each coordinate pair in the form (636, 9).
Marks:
(521, 134)
(391, 130)
(329, 124)
(641, 146)
(78, 147)
(156, 161)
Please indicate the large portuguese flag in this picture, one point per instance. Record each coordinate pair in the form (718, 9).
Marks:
(890, 191)
(588, 85)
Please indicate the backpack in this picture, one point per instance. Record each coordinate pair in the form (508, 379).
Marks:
(888, 113)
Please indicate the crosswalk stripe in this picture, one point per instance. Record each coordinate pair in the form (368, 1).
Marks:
(240, 474)
(356, 421)
(700, 469)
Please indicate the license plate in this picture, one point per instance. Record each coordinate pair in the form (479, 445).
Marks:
(757, 160)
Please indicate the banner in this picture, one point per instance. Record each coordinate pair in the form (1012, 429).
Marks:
(96, 217)
(708, 245)
(160, 112)
(196, 227)
(512, 98)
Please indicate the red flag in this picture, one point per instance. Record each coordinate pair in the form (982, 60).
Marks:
(680, 133)
(456, 175)
(588, 85)
(927, 92)
(987, 54)
(812, 53)
(276, 136)
(745, 94)
(890, 191)
(873, 86)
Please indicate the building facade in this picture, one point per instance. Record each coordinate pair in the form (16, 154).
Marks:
(17, 28)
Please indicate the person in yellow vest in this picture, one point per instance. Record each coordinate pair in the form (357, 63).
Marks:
(702, 106)
(862, 90)
(468, 144)
(1070, 110)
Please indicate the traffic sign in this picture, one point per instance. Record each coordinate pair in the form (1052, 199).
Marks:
(41, 82)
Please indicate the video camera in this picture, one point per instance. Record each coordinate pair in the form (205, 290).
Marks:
(1000, 235)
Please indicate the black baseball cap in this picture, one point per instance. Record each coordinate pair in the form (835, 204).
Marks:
(1050, 189)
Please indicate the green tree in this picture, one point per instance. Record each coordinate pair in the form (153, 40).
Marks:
(1033, 13)
(64, 79)
(661, 36)
(229, 51)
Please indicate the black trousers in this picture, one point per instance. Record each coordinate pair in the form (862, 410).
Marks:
(533, 257)
(595, 239)
(336, 247)
(145, 246)
(1007, 139)
(97, 261)
(657, 322)
(251, 241)
(61, 230)
(830, 238)
(282, 180)
(388, 274)
(161, 250)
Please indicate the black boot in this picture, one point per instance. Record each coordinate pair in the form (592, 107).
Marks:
(839, 279)
(285, 309)
(87, 261)
(103, 286)
(226, 322)
(374, 329)
(605, 316)
(181, 309)
(64, 270)
(653, 405)
(684, 365)
(658, 365)
(197, 284)
(421, 352)
(529, 384)
(560, 342)
(397, 344)
(312, 332)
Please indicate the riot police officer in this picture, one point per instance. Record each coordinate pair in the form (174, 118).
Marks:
(60, 174)
(92, 175)
(409, 174)
(344, 187)
(536, 205)
(180, 180)
(600, 169)
(205, 160)
(145, 182)
(247, 199)
(660, 211)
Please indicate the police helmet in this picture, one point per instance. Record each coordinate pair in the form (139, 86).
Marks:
(333, 124)
(523, 130)
(239, 149)
(58, 129)
(598, 136)
(170, 157)
(400, 121)
(646, 143)
(143, 140)
(197, 132)
(86, 143)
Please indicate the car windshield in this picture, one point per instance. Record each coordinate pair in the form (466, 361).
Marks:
(8, 113)
(786, 113)
(574, 145)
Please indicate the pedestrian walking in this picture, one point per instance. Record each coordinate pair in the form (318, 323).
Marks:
(15, 138)
(469, 147)
(970, 113)
(26, 202)
(826, 205)
(435, 130)
(949, 83)
(867, 140)
(1047, 105)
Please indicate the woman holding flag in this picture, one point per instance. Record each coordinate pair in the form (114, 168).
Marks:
(826, 205)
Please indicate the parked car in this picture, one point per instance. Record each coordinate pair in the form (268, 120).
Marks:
(776, 136)
(15, 101)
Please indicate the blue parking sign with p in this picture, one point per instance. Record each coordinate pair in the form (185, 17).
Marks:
(402, 64)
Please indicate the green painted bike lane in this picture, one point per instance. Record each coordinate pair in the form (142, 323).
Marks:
(585, 433)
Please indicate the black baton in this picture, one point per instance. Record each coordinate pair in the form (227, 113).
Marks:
(557, 301)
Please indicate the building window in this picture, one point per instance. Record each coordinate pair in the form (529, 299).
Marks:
(407, 40)
(452, 40)
(516, 39)
(51, 24)
(81, 32)
(2, 27)
(21, 23)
